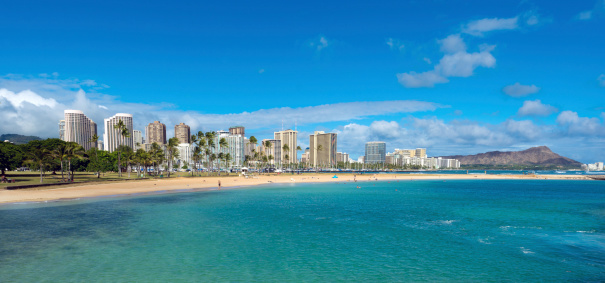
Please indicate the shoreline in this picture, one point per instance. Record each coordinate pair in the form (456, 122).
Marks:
(187, 184)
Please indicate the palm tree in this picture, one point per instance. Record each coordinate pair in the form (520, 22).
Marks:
(287, 157)
(39, 157)
(285, 149)
(220, 157)
(297, 150)
(75, 151)
(129, 155)
(193, 141)
(60, 152)
(210, 146)
(227, 159)
(197, 155)
(125, 133)
(223, 144)
(212, 158)
(172, 150)
(157, 156)
(254, 141)
(267, 145)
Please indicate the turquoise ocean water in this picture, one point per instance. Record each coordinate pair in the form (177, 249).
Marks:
(466, 230)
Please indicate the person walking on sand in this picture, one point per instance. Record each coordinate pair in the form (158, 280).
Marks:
(219, 184)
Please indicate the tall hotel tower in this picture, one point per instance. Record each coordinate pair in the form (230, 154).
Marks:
(182, 132)
(155, 132)
(79, 129)
(112, 138)
(287, 137)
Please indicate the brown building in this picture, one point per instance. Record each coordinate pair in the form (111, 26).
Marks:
(237, 130)
(322, 149)
(182, 132)
(155, 132)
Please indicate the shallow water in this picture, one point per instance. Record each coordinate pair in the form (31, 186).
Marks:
(463, 230)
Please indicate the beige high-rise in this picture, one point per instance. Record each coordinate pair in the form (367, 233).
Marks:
(287, 137)
(182, 132)
(155, 132)
(112, 138)
(322, 149)
(79, 129)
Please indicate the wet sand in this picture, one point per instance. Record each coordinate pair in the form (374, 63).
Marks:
(211, 183)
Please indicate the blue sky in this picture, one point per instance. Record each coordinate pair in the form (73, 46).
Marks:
(457, 77)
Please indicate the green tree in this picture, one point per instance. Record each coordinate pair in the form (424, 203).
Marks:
(11, 156)
(74, 151)
(296, 158)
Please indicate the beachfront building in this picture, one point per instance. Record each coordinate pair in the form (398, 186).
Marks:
(100, 145)
(342, 157)
(272, 152)
(287, 137)
(305, 157)
(112, 138)
(235, 147)
(155, 132)
(185, 156)
(375, 152)
(322, 149)
(79, 129)
(183, 133)
(137, 139)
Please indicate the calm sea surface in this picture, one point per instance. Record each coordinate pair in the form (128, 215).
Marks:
(503, 230)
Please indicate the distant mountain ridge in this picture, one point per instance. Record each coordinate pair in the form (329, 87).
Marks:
(540, 155)
(18, 139)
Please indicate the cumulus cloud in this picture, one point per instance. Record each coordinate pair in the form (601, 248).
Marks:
(576, 125)
(36, 110)
(536, 108)
(395, 44)
(479, 27)
(456, 62)
(586, 15)
(519, 90)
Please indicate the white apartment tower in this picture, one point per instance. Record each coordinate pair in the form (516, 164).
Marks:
(79, 129)
(137, 139)
(287, 137)
(112, 138)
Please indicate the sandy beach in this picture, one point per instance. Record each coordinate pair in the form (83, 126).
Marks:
(211, 183)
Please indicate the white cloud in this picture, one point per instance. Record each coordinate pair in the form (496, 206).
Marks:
(426, 79)
(452, 44)
(261, 71)
(320, 43)
(479, 27)
(526, 129)
(536, 108)
(427, 60)
(456, 62)
(37, 111)
(601, 80)
(395, 44)
(573, 124)
(519, 90)
(18, 100)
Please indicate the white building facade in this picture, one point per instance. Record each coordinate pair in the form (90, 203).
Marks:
(79, 129)
(112, 138)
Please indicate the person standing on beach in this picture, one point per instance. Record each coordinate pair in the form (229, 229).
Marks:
(219, 184)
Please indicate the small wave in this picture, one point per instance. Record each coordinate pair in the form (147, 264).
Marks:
(526, 251)
(485, 241)
(446, 222)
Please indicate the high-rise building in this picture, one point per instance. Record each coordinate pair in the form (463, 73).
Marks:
(235, 147)
(273, 150)
(155, 132)
(322, 149)
(421, 152)
(237, 130)
(182, 132)
(62, 130)
(375, 152)
(137, 139)
(112, 138)
(287, 137)
(342, 157)
(79, 129)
